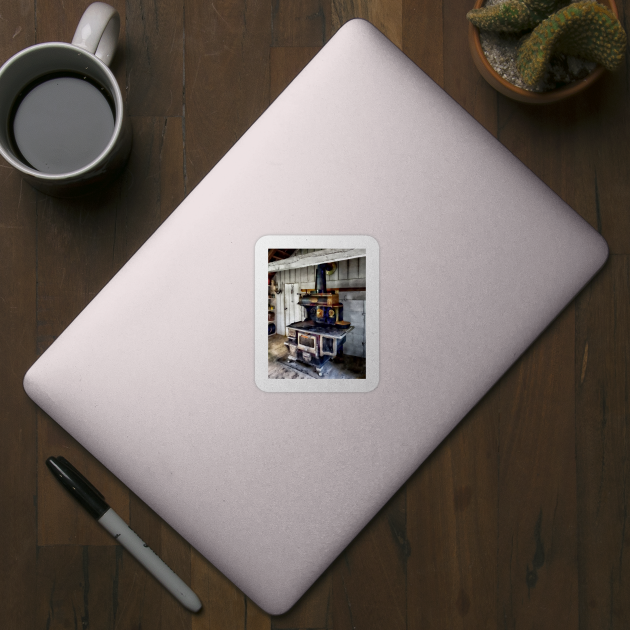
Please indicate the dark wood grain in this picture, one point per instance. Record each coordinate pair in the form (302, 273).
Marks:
(609, 133)
(602, 380)
(285, 64)
(537, 536)
(154, 57)
(559, 148)
(305, 23)
(18, 416)
(519, 519)
(369, 577)
(422, 36)
(60, 520)
(76, 587)
(313, 610)
(386, 15)
(151, 187)
(226, 78)
(573, 149)
(461, 79)
(452, 520)
(224, 606)
(143, 601)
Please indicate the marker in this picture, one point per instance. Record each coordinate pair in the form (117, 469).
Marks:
(94, 502)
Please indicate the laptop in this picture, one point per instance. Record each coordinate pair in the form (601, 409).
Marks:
(468, 257)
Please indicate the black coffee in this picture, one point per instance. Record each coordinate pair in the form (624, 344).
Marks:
(61, 123)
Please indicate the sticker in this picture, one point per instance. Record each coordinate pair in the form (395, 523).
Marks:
(316, 313)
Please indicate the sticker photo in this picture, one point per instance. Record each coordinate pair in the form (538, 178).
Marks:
(318, 299)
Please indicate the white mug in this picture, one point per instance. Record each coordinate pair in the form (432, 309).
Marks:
(86, 58)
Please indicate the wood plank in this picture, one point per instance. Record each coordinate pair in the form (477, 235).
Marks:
(462, 80)
(171, 168)
(18, 415)
(355, 306)
(352, 296)
(226, 78)
(452, 527)
(362, 263)
(345, 284)
(255, 617)
(368, 578)
(606, 125)
(386, 15)
(537, 537)
(74, 246)
(559, 149)
(154, 58)
(315, 258)
(17, 28)
(357, 336)
(304, 23)
(313, 609)
(153, 184)
(143, 601)
(422, 36)
(603, 469)
(61, 520)
(284, 65)
(342, 268)
(224, 606)
(353, 268)
(76, 587)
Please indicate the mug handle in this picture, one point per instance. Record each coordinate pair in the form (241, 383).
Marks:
(98, 30)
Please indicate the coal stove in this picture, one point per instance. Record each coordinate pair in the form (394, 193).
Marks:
(320, 337)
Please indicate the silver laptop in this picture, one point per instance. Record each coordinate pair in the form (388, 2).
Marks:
(468, 257)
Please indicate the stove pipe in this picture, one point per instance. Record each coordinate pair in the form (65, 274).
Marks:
(320, 276)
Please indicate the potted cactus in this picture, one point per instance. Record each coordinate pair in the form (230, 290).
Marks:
(557, 49)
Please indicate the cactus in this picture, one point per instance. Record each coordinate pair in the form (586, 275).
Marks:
(513, 16)
(584, 29)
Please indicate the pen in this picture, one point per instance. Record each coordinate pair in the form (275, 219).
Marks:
(94, 502)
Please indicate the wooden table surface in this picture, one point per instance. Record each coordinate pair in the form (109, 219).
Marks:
(518, 520)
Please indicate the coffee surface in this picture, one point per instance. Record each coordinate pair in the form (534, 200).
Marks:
(62, 124)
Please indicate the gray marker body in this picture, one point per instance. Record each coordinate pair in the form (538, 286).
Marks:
(149, 559)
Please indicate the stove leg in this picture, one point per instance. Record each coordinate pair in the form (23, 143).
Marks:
(322, 370)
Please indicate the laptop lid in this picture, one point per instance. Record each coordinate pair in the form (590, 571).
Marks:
(468, 255)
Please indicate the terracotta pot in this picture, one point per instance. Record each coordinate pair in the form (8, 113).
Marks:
(518, 94)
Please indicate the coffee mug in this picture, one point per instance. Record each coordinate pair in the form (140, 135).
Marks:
(62, 114)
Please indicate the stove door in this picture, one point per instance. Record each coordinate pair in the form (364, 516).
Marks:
(309, 343)
(328, 346)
